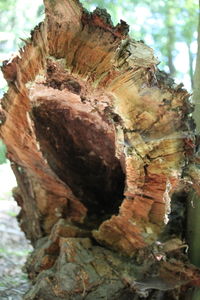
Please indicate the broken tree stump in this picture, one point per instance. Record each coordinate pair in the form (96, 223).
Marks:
(99, 140)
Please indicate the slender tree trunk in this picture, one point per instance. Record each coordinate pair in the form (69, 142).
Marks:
(193, 227)
(196, 92)
(171, 38)
(191, 60)
(170, 48)
(99, 140)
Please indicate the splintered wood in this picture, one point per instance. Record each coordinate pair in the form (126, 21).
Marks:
(96, 135)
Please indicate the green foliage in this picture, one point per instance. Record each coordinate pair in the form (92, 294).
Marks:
(11, 214)
(20, 253)
(2, 152)
(6, 4)
(18, 17)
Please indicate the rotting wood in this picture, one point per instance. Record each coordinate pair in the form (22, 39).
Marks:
(99, 140)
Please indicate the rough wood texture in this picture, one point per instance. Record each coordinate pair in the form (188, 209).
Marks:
(98, 139)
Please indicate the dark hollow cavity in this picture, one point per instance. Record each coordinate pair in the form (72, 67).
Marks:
(83, 157)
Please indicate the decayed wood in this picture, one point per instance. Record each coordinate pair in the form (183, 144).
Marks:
(98, 139)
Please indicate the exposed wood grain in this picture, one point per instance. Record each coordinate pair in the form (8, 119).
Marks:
(99, 140)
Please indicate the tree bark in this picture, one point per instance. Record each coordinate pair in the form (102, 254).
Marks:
(99, 140)
(193, 224)
(196, 92)
(191, 60)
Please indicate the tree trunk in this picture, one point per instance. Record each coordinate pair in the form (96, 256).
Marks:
(191, 60)
(196, 93)
(170, 20)
(99, 140)
(193, 223)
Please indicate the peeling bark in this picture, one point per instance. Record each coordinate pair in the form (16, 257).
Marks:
(99, 140)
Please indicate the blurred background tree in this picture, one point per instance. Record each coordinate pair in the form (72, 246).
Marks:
(168, 26)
